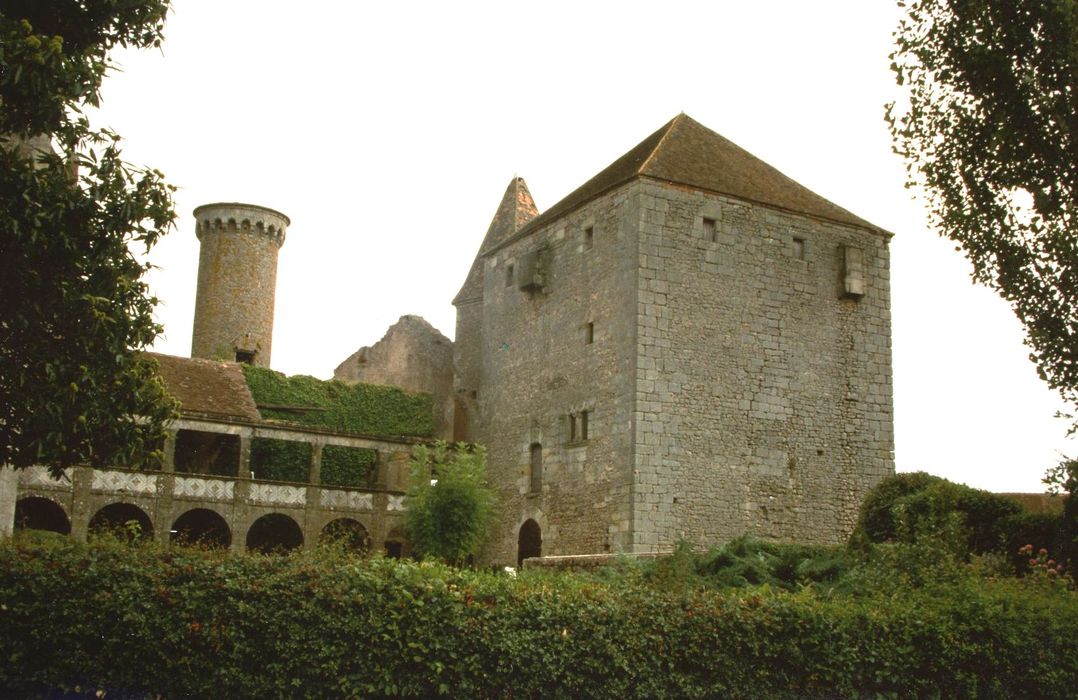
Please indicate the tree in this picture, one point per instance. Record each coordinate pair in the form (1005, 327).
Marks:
(449, 502)
(74, 310)
(990, 134)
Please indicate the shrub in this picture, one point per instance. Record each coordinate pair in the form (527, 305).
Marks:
(908, 506)
(449, 502)
(140, 621)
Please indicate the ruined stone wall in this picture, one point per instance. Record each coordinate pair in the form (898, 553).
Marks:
(467, 368)
(537, 368)
(414, 356)
(237, 280)
(763, 397)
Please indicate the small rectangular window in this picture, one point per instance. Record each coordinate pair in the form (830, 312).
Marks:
(589, 333)
(246, 357)
(710, 232)
(509, 276)
(583, 425)
(572, 427)
(589, 237)
(799, 248)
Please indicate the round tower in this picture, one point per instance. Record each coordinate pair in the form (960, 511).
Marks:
(237, 280)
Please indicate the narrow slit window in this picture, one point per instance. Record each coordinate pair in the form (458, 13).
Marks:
(583, 425)
(799, 248)
(535, 474)
(589, 237)
(509, 276)
(589, 333)
(710, 232)
(572, 427)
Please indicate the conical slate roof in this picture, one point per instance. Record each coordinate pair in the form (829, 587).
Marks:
(517, 208)
(686, 152)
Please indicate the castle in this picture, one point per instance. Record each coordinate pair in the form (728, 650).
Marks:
(689, 345)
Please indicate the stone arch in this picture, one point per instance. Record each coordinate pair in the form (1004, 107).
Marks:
(396, 544)
(348, 533)
(40, 513)
(529, 541)
(274, 532)
(201, 526)
(116, 518)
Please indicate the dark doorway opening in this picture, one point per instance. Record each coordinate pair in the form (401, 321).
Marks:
(201, 526)
(199, 452)
(37, 513)
(274, 533)
(125, 520)
(347, 533)
(529, 542)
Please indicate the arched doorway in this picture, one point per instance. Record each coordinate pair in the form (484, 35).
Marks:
(37, 513)
(529, 541)
(125, 520)
(201, 526)
(396, 545)
(347, 533)
(275, 532)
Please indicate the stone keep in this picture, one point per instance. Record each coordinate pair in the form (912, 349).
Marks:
(690, 345)
(237, 278)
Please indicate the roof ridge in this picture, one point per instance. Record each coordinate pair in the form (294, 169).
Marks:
(658, 146)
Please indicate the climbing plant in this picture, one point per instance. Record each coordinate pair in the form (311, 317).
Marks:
(355, 408)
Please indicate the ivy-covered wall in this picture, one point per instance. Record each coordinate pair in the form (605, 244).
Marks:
(366, 409)
(280, 460)
(347, 466)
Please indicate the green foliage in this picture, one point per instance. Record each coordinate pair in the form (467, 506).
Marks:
(366, 409)
(905, 507)
(1064, 478)
(990, 134)
(76, 312)
(281, 460)
(139, 621)
(347, 466)
(449, 502)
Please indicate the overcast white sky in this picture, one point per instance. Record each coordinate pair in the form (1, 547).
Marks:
(388, 131)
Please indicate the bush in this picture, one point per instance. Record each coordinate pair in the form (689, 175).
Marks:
(905, 507)
(449, 502)
(139, 621)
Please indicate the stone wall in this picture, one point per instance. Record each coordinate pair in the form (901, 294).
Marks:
(414, 356)
(9, 487)
(732, 382)
(537, 369)
(763, 392)
(237, 280)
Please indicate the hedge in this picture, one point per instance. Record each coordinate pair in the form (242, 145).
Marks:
(187, 623)
(366, 409)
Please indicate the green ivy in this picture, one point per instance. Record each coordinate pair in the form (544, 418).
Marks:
(366, 409)
(280, 460)
(347, 466)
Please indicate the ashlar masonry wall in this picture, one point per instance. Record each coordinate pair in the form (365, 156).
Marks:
(763, 398)
(559, 350)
